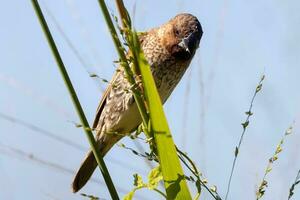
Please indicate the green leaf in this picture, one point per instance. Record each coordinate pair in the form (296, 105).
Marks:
(138, 181)
(91, 197)
(258, 88)
(289, 130)
(245, 124)
(236, 152)
(129, 196)
(94, 75)
(154, 177)
(213, 188)
(175, 183)
(278, 149)
(197, 196)
(249, 113)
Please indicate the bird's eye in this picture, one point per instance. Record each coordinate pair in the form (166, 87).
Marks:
(176, 32)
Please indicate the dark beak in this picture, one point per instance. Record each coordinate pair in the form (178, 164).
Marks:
(190, 43)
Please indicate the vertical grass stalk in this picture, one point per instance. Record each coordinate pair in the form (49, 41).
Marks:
(264, 183)
(123, 61)
(245, 125)
(89, 134)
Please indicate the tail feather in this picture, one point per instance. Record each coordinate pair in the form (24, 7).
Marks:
(85, 171)
(89, 164)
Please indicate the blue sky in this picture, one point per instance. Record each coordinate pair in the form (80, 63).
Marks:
(241, 41)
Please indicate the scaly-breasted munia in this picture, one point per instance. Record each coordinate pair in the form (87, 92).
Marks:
(169, 50)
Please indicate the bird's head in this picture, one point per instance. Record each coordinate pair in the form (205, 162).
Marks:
(181, 36)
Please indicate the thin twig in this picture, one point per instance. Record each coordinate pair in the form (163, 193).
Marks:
(245, 125)
(264, 183)
(296, 182)
(195, 171)
(41, 131)
(149, 156)
(142, 149)
(20, 154)
(73, 48)
(160, 192)
(62, 140)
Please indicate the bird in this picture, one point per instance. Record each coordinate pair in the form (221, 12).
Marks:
(169, 50)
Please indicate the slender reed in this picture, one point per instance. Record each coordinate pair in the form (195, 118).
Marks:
(264, 183)
(245, 125)
(89, 134)
(123, 61)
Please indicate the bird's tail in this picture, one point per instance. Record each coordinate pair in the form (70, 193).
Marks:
(85, 171)
(89, 163)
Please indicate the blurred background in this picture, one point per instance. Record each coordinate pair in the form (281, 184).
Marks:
(41, 147)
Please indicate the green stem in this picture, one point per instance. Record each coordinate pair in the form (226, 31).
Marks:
(125, 65)
(123, 13)
(245, 125)
(160, 192)
(89, 134)
(194, 171)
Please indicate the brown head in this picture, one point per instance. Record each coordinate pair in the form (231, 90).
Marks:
(181, 36)
(169, 50)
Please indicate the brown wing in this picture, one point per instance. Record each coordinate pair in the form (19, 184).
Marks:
(108, 89)
(103, 100)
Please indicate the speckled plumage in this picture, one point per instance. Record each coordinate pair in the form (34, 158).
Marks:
(169, 50)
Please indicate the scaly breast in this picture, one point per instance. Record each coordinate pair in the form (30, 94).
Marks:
(166, 70)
